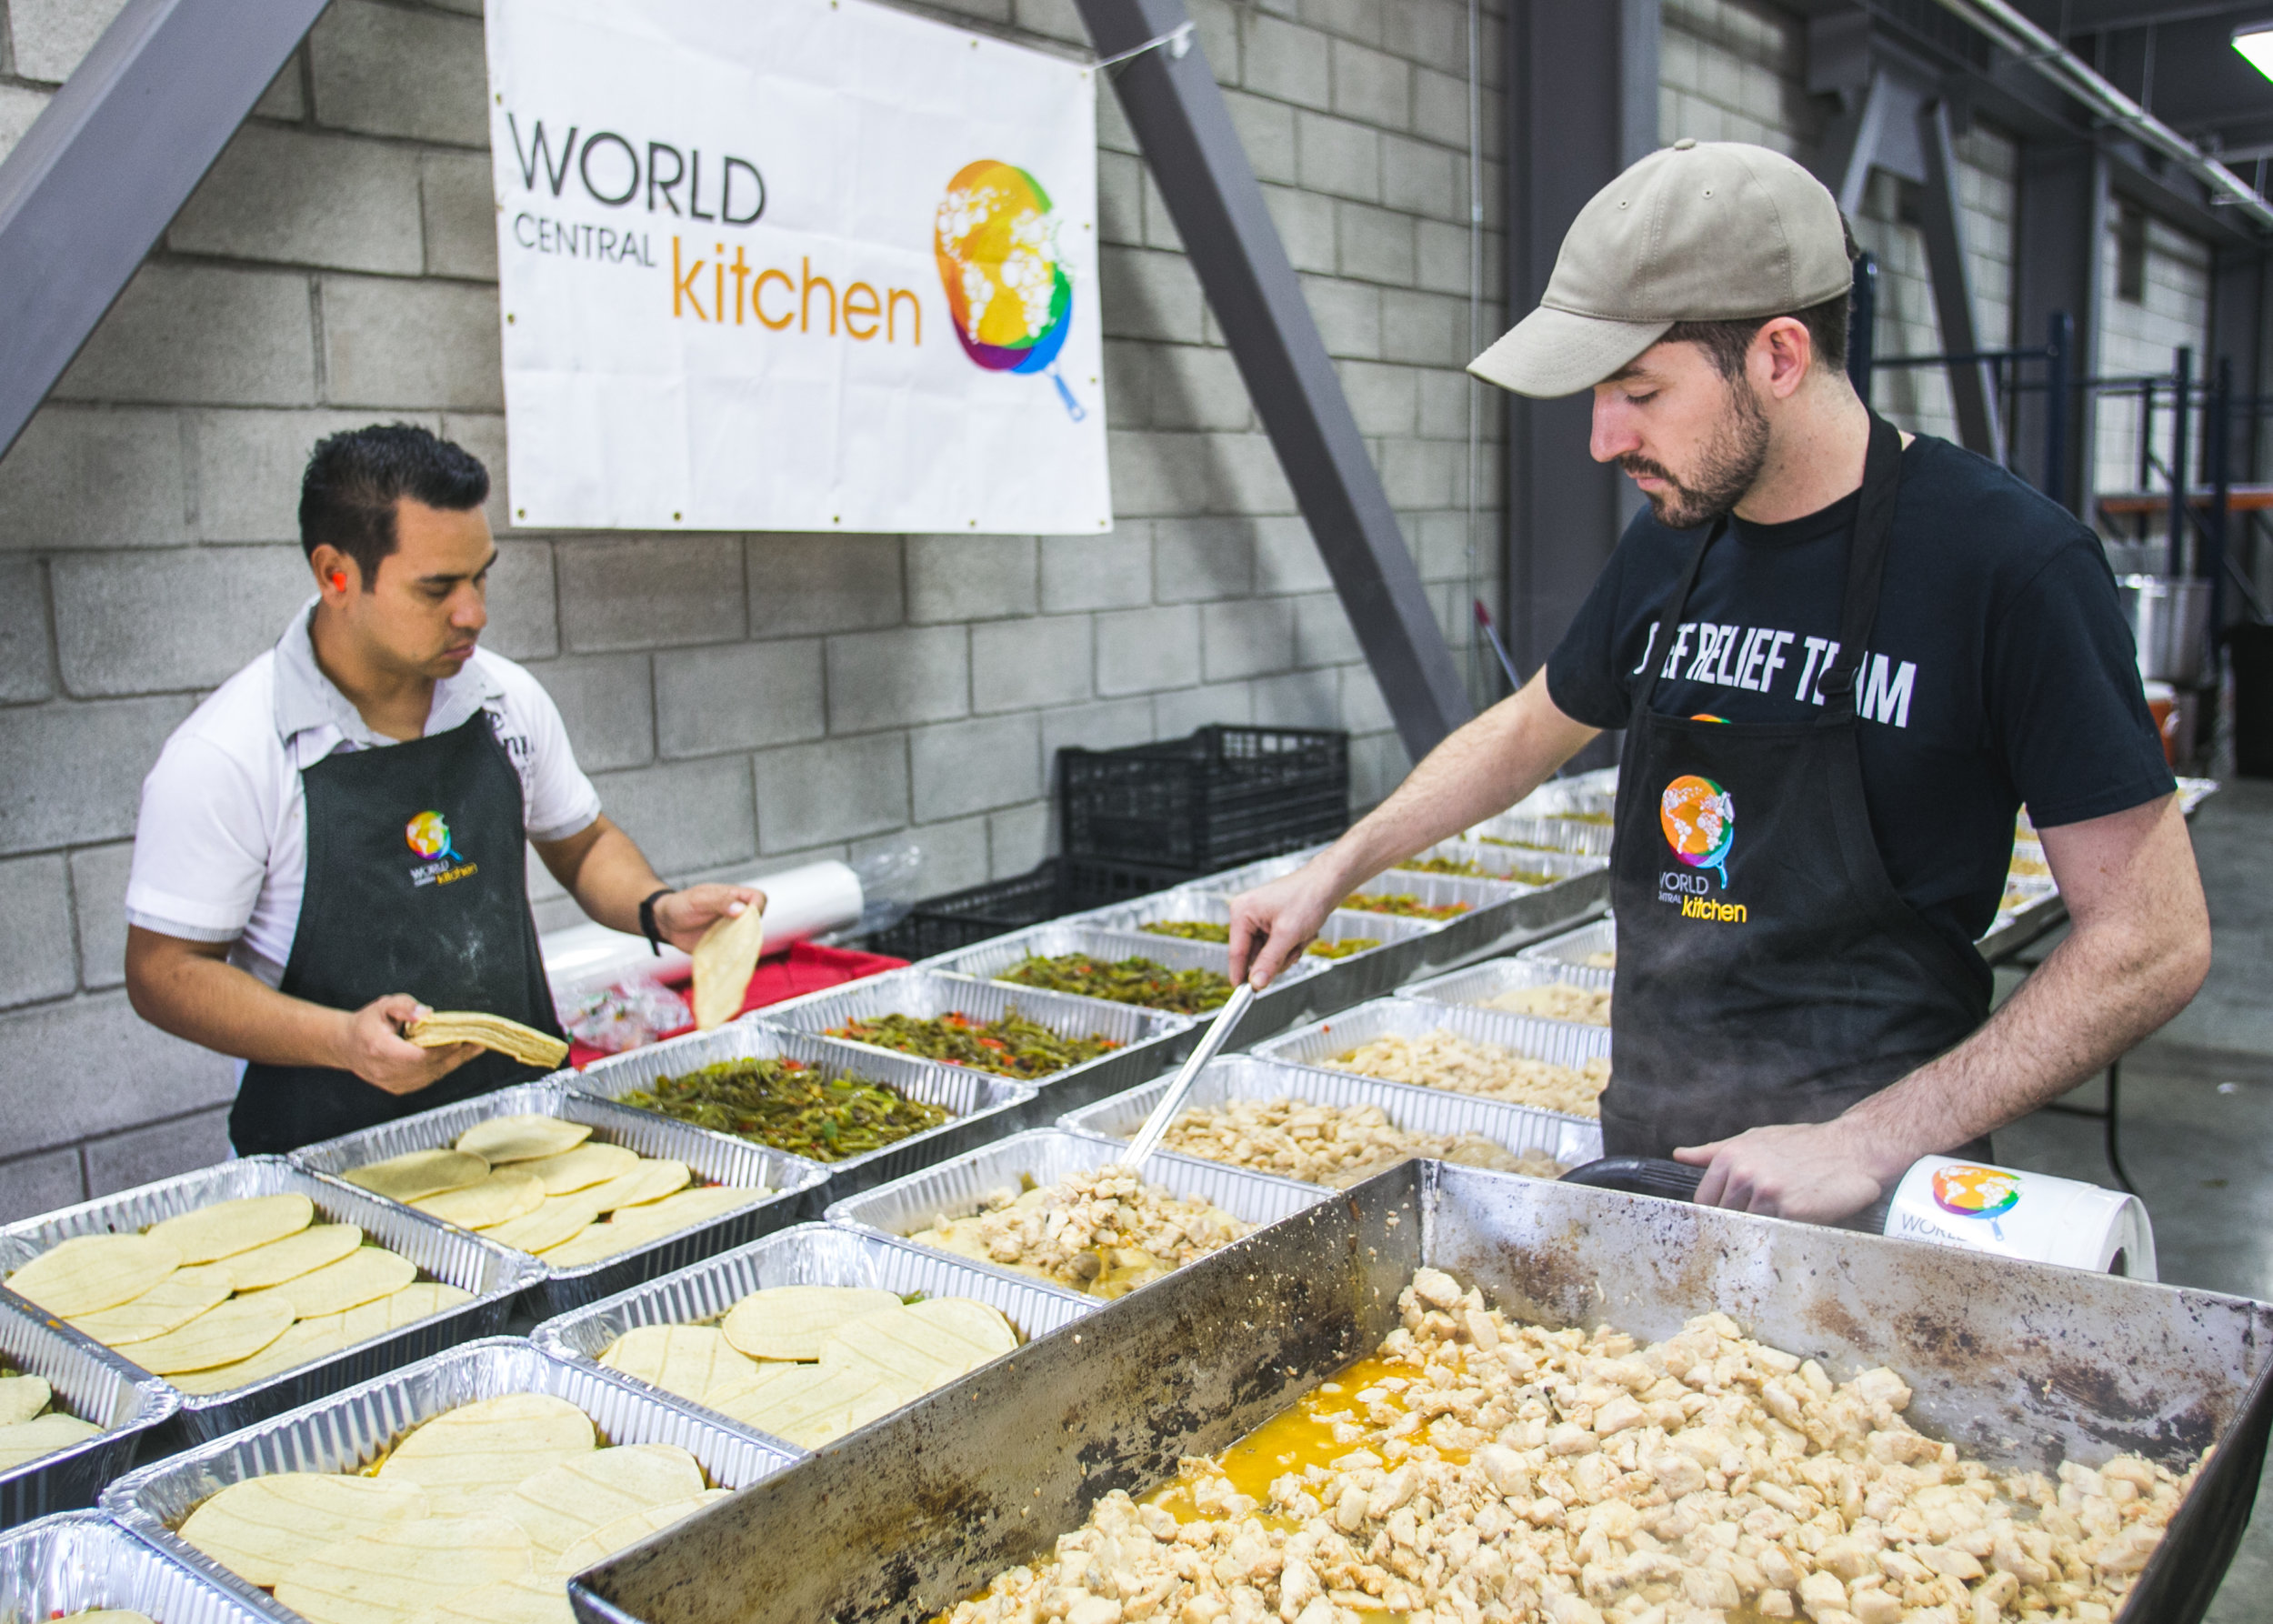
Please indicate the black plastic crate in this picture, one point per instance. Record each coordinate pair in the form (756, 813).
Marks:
(1224, 796)
(1093, 882)
(956, 920)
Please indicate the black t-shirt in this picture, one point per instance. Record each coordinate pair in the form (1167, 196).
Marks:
(2000, 672)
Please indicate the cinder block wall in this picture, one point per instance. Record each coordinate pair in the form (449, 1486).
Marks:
(743, 701)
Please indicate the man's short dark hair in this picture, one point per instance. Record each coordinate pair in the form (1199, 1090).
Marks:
(1726, 342)
(356, 478)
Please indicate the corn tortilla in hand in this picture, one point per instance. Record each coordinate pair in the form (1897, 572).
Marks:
(443, 1028)
(725, 960)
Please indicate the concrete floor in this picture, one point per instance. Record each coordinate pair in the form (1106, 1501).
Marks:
(2197, 1121)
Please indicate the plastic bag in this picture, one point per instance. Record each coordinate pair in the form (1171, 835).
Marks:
(631, 1013)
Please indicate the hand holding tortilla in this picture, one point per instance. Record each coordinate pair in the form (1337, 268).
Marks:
(442, 1027)
(725, 960)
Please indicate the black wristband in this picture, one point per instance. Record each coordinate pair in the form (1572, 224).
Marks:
(647, 919)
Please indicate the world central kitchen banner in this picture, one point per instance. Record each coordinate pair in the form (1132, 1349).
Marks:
(794, 265)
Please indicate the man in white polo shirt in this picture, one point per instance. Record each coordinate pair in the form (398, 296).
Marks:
(332, 843)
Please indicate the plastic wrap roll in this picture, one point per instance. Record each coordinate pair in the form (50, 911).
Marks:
(803, 902)
(2029, 1216)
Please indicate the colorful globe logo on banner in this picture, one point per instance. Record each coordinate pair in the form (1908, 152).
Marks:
(1700, 820)
(428, 836)
(1972, 1192)
(995, 239)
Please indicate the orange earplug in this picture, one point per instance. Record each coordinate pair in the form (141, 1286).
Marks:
(339, 580)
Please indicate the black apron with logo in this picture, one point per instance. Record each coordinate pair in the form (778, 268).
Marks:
(415, 885)
(1767, 970)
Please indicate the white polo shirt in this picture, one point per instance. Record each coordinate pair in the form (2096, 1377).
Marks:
(221, 847)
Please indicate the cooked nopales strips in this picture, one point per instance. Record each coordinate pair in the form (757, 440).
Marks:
(523, 1138)
(89, 1273)
(167, 1306)
(509, 1038)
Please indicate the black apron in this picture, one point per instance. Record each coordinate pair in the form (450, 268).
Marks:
(1767, 970)
(415, 885)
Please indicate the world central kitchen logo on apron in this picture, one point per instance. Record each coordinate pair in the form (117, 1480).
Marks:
(1700, 820)
(430, 835)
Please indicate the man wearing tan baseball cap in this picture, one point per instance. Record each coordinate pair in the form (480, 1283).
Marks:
(1844, 658)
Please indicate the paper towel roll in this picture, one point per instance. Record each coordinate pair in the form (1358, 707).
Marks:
(801, 902)
(2029, 1216)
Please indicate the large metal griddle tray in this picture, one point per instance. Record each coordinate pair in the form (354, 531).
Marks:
(2021, 1364)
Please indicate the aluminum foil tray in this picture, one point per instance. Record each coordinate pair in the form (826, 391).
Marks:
(1495, 975)
(2022, 1365)
(986, 1107)
(91, 1382)
(1528, 830)
(1149, 1039)
(714, 1158)
(350, 1429)
(1339, 983)
(1593, 793)
(1556, 865)
(494, 1275)
(1575, 947)
(1571, 1140)
(960, 1187)
(1248, 876)
(808, 1255)
(81, 1560)
(1565, 1043)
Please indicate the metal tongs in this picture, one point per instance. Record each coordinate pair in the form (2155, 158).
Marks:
(1211, 1044)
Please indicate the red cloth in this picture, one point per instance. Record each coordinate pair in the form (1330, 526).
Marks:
(804, 968)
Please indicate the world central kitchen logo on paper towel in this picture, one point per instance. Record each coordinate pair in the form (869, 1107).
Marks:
(1700, 820)
(428, 836)
(1983, 1193)
(794, 265)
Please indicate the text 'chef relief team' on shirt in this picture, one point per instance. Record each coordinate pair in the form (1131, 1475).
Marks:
(221, 847)
(2000, 672)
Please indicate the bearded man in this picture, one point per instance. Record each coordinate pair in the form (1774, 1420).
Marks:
(1845, 657)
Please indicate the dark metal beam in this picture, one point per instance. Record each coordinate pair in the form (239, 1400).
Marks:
(1178, 115)
(1971, 393)
(114, 154)
(2060, 208)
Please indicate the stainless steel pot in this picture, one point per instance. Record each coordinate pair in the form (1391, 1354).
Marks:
(2170, 621)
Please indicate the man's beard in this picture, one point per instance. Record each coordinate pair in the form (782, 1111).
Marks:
(1726, 468)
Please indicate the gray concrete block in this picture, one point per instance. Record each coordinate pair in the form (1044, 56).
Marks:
(1288, 62)
(19, 106)
(1323, 635)
(1144, 294)
(35, 957)
(1363, 710)
(75, 771)
(1422, 473)
(685, 814)
(1340, 156)
(459, 212)
(1444, 396)
(201, 334)
(1019, 839)
(1141, 650)
(960, 767)
(1441, 263)
(1348, 314)
(838, 790)
(1196, 388)
(1372, 85)
(524, 623)
(1097, 572)
(1267, 129)
(801, 585)
(954, 852)
(1120, 200)
(287, 95)
(99, 905)
(1383, 399)
(147, 1075)
(302, 197)
(649, 592)
(85, 478)
(1159, 224)
(1440, 542)
(1053, 19)
(1432, 32)
(971, 577)
(187, 618)
(1298, 700)
(1440, 107)
(1286, 557)
(1250, 475)
(1377, 765)
(1425, 327)
(26, 663)
(1128, 382)
(1154, 472)
(51, 36)
(1178, 713)
(161, 1150)
(740, 697)
(1112, 132)
(246, 468)
(386, 70)
(888, 679)
(1247, 638)
(1357, 19)
(1306, 226)
(1199, 560)
(1107, 725)
(1423, 179)
(394, 343)
(1019, 664)
(41, 1183)
(607, 704)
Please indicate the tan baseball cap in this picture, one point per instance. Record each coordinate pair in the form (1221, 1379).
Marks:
(1697, 231)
